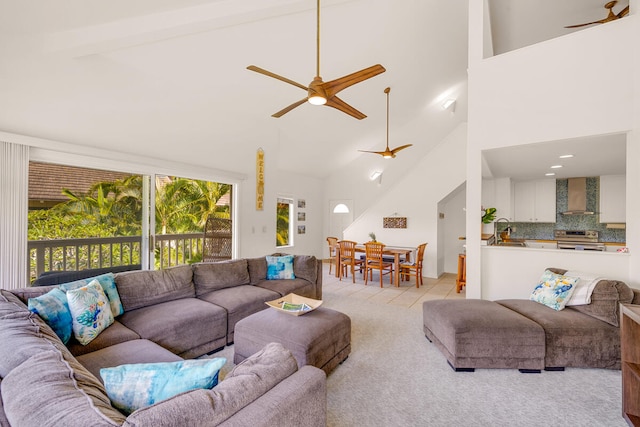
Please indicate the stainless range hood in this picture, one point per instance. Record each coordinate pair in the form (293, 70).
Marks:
(577, 198)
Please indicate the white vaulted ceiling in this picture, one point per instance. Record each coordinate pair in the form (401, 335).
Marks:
(168, 78)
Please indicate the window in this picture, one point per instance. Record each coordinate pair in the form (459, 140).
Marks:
(82, 218)
(284, 222)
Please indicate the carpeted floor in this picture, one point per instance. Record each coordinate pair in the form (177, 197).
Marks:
(395, 377)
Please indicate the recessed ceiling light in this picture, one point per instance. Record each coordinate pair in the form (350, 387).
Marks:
(549, 174)
(556, 166)
(566, 156)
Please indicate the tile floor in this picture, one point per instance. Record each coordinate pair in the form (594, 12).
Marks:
(405, 295)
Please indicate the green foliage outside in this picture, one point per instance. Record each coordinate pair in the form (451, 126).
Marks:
(112, 209)
(282, 224)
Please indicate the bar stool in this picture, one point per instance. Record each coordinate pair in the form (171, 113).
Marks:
(461, 280)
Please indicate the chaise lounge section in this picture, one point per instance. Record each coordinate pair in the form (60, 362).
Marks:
(527, 335)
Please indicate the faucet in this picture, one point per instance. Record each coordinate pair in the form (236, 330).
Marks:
(495, 227)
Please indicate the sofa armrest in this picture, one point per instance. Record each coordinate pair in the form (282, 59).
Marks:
(319, 281)
(300, 399)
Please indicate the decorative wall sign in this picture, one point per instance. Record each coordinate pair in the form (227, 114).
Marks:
(260, 179)
(394, 222)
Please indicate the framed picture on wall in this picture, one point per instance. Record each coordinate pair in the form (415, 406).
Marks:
(302, 216)
(302, 229)
(302, 203)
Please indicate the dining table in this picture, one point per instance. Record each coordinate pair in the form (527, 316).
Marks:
(396, 251)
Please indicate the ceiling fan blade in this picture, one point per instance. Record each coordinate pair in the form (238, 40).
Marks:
(334, 86)
(623, 12)
(289, 108)
(339, 104)
(275, 76)
(373, 152)
(402, 147)
(601, 21)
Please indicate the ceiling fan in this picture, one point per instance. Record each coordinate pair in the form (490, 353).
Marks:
(610, 17)
(324, 93)
(387, 153)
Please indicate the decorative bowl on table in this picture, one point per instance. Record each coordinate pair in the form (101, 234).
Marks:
(294, 304)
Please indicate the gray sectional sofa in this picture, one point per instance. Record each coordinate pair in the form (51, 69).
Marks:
(169, 315)
(527, 335)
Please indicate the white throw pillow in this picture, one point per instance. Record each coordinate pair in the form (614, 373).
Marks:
(90, 311)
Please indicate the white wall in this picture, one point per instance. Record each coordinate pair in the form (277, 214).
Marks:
(585, 83)
(416, 196)
(453, 227)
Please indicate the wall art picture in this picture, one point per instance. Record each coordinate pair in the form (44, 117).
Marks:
(394, 222)
(302, 229)
(302, 203)
(302, 216)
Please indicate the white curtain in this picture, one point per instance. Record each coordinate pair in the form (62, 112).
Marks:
(14, 186)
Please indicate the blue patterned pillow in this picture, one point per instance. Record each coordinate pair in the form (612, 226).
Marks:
(108, 283)
(90, 312)
(52, 307)
(554, 290)
(280, 267)
(131, 387)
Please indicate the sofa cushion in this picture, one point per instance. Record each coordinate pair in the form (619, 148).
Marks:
(257, 269)
(240, 302)
(144, 288)
(572, 339)
(211, 276)
(605, 301)
(305, 267)
(90, 311)
(22, 334)
(180, 325)
(280, 267)
(135, 351)
(114, 334)
(243, 385)
(554, 290)
(48, 389)
(134, 386)
(107, 281)
(284, 287)
(53, 308)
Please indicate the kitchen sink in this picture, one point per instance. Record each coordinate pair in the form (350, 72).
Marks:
(513, 242)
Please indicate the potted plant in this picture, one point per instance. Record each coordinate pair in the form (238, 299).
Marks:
(488, 215)
(372, 236)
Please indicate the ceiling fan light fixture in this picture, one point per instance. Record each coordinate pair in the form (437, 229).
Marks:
(388, 156)
(317, 100)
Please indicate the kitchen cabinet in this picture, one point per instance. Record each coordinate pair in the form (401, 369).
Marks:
(613, 198)
(534, 201)
(498, 193)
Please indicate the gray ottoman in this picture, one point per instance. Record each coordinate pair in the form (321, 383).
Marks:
(321, 338)
(475, 333)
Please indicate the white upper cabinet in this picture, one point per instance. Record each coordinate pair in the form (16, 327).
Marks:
(498, 193)
(534, 201)
(613, 198)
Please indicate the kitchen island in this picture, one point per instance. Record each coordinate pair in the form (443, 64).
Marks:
(513, 272)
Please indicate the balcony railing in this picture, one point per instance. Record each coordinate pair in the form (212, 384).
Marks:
(103, 252)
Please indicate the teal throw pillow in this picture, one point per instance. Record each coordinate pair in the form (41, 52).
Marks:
(53, 308)
(131, 387)
(108, 283)
(280, 267)
(90, 312)
(554, 290)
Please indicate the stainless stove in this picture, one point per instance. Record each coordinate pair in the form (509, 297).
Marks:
(586, 240)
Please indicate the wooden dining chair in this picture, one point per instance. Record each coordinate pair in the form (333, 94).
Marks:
(348, 259)
(374, 261)
(408, 269)
(333, 243)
